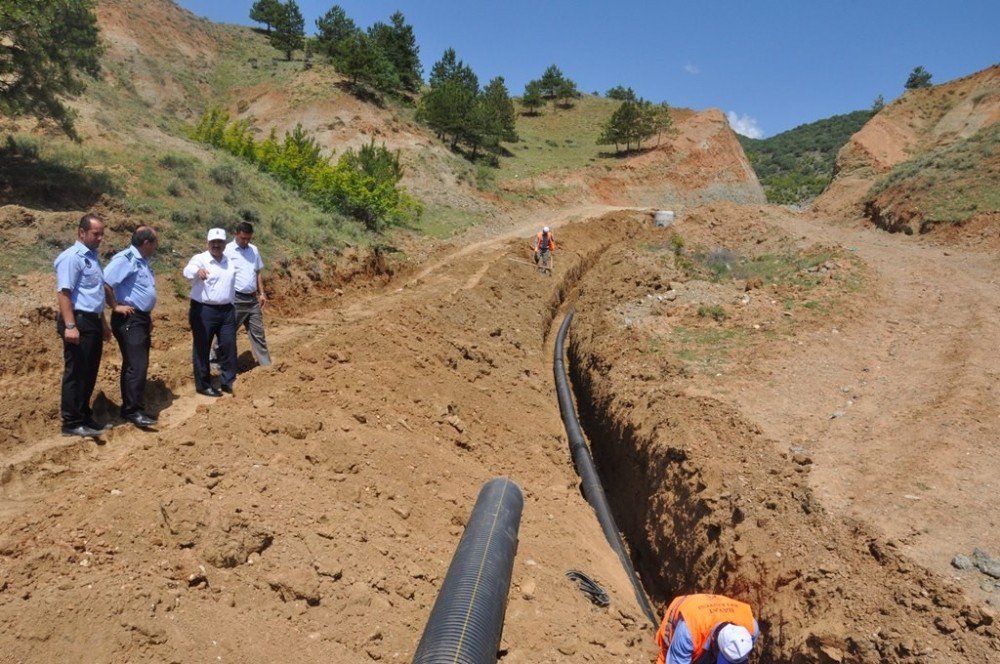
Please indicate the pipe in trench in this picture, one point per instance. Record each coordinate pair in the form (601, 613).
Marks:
(466, 622)
(593, 491)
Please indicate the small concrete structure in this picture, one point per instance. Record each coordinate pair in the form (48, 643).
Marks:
(663, 218)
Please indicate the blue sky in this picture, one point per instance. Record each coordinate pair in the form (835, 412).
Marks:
(770, 65)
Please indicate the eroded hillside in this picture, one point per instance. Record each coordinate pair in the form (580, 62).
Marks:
(931, 158)
(785, 408)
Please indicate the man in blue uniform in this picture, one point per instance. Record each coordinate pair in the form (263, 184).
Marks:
(130, 283)
(81, 325)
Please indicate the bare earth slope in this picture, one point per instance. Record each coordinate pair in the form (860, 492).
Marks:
(921, 121)
(819, 441)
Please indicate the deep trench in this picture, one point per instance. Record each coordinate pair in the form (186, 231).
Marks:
(671, 534)
(655, 495)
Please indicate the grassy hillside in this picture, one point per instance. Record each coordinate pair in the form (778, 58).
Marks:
(796, 165)
(949, 184)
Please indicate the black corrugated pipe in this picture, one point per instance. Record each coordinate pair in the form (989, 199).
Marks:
(593, 491)
(467, 619)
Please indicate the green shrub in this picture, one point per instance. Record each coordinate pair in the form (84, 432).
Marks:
(362, 184)
(715, 311)
(225, 175)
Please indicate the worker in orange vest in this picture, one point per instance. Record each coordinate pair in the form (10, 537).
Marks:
(543, 244)
(706, 629)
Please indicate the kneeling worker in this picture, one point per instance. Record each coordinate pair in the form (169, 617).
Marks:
(706, 629)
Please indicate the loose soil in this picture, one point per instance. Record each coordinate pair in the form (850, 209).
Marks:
(822, 450)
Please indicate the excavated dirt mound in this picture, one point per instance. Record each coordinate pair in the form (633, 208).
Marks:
(314, 514)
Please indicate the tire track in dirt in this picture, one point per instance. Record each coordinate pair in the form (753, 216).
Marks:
(898, 408)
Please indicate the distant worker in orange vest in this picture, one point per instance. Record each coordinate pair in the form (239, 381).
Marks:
(706, 629)
(544, 247)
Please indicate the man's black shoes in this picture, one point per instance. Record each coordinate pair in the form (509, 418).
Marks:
(228, 389)
(140, 420)
(81, 430)
(210, 392)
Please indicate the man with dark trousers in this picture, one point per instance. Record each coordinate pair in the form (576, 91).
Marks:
(212, 314)
(130, 282)
(81, 325)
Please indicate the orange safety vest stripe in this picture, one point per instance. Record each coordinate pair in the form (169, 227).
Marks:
(702, 614)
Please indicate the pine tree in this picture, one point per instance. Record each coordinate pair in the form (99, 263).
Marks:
(550, 81)
(621, 93)
(623, 127)
(565, 91)
(332, 31)
(449, 104)
(289, 29)
(267, 12)
(44, 49)
(493, 118)
(532, 99)
(399, 45)
(919, 78)
(364, 63)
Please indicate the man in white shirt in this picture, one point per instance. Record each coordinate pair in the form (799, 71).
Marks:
(212, 314)
(250, 296)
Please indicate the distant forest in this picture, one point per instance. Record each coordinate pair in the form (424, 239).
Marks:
(797, 165)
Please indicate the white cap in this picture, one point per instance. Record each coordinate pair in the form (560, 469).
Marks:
(545, 230)
(735, 644)
(217, 234)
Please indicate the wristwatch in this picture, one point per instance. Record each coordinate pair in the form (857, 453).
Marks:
(70, 326)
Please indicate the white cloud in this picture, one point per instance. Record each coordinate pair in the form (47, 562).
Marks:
(744, 125)
(692, 69)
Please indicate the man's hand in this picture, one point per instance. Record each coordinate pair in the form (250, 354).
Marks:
(202, 274)
(71, 336)
(126, 309)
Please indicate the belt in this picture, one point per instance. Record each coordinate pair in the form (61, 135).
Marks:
(214, 306)
(252, 294)
(86, 314)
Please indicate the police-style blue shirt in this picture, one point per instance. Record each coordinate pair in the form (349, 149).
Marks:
(132, 279)
(78, 270)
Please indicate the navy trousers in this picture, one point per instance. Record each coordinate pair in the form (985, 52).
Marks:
(81, 363)
(208, 322)
(133, 335)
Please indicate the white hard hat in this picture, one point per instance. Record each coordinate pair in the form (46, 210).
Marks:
(735, 644)
(216, 234)
(545, 230)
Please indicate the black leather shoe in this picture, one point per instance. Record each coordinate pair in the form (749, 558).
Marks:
(140, 420)
(82, 430)
(210, 392)
(94, 425)
(228, 389)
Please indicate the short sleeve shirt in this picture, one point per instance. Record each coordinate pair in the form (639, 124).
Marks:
(132, 279)
(248, 264)
(78, 270)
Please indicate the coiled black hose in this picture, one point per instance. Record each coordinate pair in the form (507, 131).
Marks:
(593, 491)
(466, 622)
